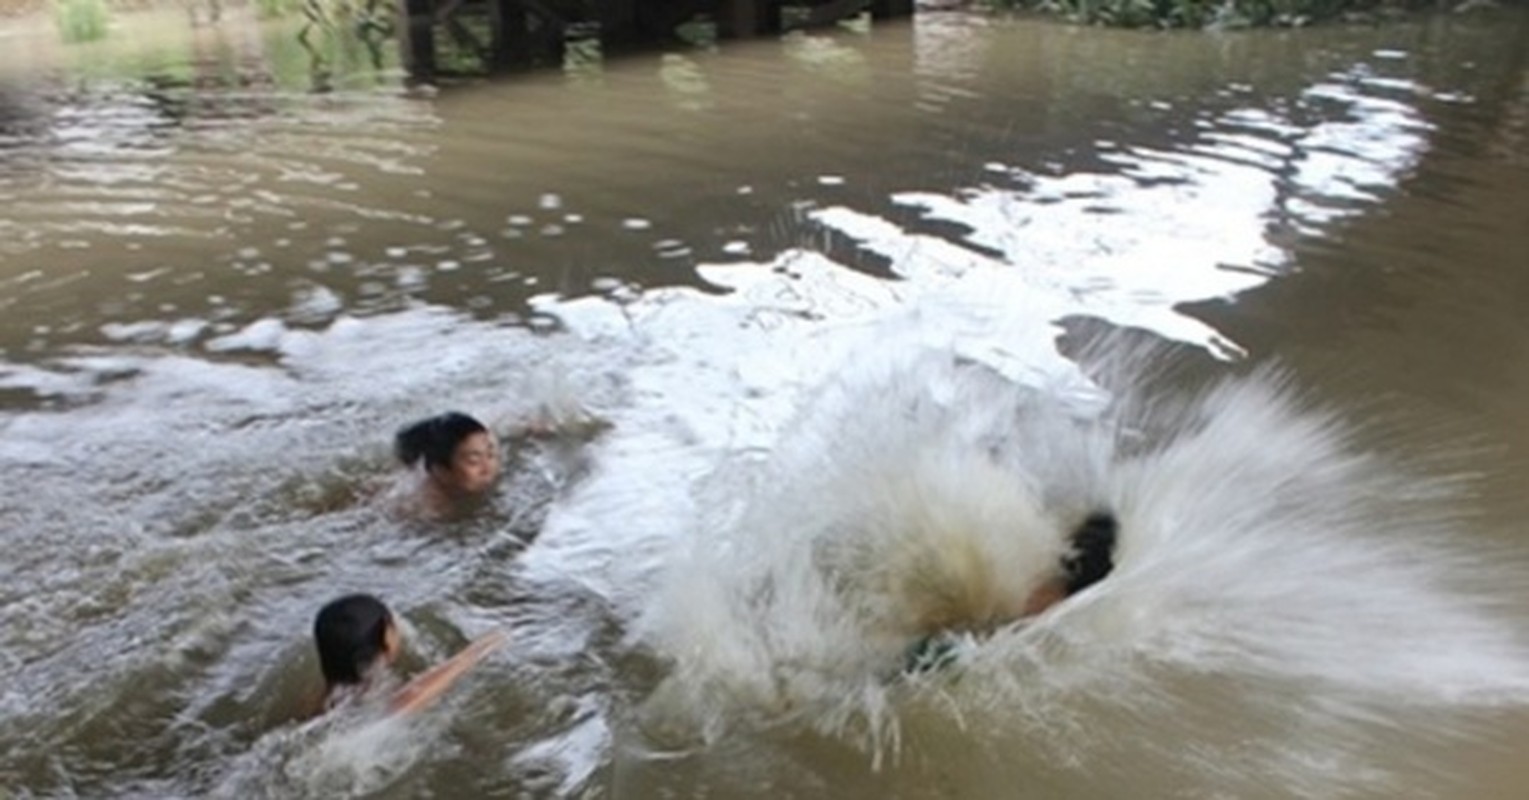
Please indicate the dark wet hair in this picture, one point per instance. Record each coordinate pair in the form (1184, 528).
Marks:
(435, 439)
(1093, 547)
(351, 634)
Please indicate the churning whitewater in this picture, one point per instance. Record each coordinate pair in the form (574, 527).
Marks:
(1300, 581)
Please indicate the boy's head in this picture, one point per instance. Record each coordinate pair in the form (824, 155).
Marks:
(458, 451)
(352, 633)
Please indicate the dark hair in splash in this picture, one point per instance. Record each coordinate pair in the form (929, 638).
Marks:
(351, 633)
(1092, 555)
(435, 439)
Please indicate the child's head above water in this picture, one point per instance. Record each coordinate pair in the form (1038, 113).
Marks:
(460, 454)
(357, 635)
(353, 633)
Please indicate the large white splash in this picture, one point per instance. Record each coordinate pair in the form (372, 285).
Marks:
(1281, 599)
(819, 460)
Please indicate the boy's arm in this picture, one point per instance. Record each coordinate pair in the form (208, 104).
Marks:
(1048, 594)
(425, 688)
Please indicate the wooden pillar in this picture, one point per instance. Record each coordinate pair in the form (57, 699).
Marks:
(743, 18)
(618, 21)
(550, 42)
(887, 9)
(509, 33)
(418, 37)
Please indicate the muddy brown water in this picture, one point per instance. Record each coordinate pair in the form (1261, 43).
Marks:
(221, 291)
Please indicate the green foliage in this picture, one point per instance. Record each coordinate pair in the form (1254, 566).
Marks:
(81, 20)
(273, 9)
(1208, 13)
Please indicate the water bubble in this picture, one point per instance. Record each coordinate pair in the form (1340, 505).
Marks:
(411, 277)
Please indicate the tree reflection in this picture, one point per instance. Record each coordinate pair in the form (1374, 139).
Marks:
(347, 28)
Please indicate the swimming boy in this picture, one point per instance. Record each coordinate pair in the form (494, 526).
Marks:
(358, 639)
(1090, 559)
(460, 456)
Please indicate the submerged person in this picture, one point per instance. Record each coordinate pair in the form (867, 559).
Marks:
(460, 458)
(358, 639)
(1088, 561)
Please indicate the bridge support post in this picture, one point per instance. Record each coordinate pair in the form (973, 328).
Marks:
(418, 34)
(744, 18)
(509, 31)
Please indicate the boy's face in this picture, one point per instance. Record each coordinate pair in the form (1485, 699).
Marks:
(392, 643)
(475, 464)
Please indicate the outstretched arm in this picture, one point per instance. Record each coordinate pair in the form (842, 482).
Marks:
(425, 688)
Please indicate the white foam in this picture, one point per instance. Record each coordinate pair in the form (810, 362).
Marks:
(1258, 548)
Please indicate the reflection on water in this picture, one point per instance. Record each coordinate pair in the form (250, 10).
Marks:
(223, 292)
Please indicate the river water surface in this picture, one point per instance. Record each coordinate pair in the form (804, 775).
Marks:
(869, 317)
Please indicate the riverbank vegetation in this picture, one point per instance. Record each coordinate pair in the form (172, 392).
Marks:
(1226, 13)
(81, 20)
